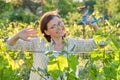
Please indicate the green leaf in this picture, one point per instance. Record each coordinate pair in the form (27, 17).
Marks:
(72, 62)
(116, 43)
(71, 76)
(41, 70)
(55, 74)
(57, 66)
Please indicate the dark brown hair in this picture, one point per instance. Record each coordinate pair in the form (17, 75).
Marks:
(44, 21)
(82, 9)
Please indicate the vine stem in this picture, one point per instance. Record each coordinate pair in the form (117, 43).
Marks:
(119, 57)
(39, 73)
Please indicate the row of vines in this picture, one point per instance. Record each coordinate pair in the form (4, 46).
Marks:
(103, 63)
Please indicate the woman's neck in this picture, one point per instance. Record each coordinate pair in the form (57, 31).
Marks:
(58, 46)
(58, 41)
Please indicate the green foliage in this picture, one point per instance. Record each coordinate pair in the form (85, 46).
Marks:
(111, 11)
(90, 4)
(5, 6)
(14, 65)
(114, 11)
(5, 9)
(8, 14)
(64, 6)
(22, 16)
(60, 65)
(101, 64)
(16, 3)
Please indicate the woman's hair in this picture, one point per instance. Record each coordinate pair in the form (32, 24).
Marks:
(45, 20)
(82, 9)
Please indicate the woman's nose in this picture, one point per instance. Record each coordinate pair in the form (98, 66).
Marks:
(59, 27)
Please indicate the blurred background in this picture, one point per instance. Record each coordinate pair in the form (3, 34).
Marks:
(18, 14)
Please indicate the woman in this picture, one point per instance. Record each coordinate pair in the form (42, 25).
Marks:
(53, 30)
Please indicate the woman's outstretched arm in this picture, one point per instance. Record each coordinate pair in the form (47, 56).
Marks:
(24, 34)
(22, 39)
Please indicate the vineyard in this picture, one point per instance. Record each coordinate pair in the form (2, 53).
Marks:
(103, 63)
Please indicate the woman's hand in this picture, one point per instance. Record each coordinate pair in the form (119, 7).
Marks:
(27, 33)
(24, 34)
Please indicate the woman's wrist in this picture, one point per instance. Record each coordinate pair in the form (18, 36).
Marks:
(12, 41)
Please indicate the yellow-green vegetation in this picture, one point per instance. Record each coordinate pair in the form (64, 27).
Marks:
(101, 64)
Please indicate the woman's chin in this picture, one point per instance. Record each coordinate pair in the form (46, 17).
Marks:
(60, 35)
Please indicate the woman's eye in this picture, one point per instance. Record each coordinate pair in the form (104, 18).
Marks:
(53, 27)
(61, 24)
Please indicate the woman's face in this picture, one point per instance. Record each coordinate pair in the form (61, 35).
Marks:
(55, 28)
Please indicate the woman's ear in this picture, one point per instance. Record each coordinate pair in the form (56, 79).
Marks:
(46, 32)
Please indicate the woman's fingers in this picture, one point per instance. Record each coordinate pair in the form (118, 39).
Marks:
(32, 35)
(27, 33)
(30, 28)
(32, 32)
